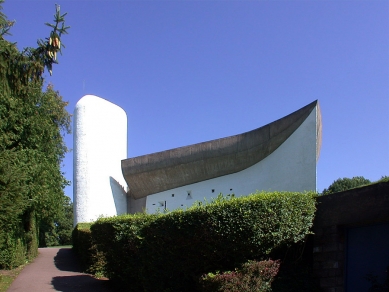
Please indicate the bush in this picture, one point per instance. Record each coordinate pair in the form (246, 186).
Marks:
(384, 178)
(92, 261)
(120, 239)
(12, 253)
(169, 252)
(252, 276)
(19, 242)
(344, 184)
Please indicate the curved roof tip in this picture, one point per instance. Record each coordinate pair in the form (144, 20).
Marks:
(161, 171)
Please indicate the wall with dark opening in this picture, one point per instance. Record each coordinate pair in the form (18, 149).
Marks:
(351, 240)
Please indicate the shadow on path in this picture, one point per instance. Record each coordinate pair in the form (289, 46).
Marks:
(81, 283)
(66, 260)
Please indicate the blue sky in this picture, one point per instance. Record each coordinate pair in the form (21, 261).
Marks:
(192, 71)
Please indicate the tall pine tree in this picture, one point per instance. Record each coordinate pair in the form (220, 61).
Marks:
(32, 121)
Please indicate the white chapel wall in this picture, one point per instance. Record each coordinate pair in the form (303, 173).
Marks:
(291, 167)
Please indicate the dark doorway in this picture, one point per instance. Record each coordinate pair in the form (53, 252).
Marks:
(367, 254)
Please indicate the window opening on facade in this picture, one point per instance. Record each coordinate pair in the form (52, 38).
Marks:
(189, 196)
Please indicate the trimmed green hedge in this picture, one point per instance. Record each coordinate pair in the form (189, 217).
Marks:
(169, 252)
(92, 260)
(120, 240)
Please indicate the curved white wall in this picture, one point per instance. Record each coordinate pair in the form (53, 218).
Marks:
(100, 143)
(291, 167)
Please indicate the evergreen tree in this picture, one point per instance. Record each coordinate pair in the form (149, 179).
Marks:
(32, 122)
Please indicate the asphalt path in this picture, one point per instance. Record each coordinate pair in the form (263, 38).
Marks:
(57, 269)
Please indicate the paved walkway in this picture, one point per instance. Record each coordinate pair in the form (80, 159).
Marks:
(57, 269)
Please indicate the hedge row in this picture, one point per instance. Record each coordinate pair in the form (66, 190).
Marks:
(92, 260)
(19, 241)
(170, 252)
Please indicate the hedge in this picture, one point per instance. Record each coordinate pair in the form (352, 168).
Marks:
(92, 260)
(19, 241)
(170, 252)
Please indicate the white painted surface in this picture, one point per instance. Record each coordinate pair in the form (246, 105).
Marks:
(291, 167)
(100, 143)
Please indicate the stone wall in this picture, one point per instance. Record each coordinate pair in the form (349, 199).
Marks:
(336, 213)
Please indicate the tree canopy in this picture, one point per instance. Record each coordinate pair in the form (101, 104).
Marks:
(344, 184)
(32, 123)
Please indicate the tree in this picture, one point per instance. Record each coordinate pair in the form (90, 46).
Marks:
(32, 148)
(59, 232)
(344, 184)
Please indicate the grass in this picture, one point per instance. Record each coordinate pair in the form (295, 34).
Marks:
(7, 277)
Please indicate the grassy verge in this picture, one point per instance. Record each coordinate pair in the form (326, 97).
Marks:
(7, 277)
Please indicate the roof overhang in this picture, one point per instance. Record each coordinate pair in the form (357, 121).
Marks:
(161, 171)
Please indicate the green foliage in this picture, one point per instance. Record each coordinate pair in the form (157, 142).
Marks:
(31, 144)
(384, 178)
(252, 276)
(344, 184)
(19, 243)
(92, 260)
(13, 251)
(124, 243)
(82, 242)
(169, 252)
(59, 232)
(296, 271)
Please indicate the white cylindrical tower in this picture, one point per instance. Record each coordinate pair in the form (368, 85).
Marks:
(100, 143)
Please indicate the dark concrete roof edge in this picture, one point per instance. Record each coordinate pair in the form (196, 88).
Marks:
(156, 157)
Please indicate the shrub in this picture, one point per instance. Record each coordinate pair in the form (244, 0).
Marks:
(169, 252)
(252, 276)
(19, 242)
(92, 260)
(344, 184)
(12, 253)
(384, 178)
(119, 239)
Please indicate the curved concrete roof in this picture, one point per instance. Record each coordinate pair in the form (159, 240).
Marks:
(161, 171)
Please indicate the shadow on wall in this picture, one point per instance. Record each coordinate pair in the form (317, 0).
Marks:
(119, 196)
